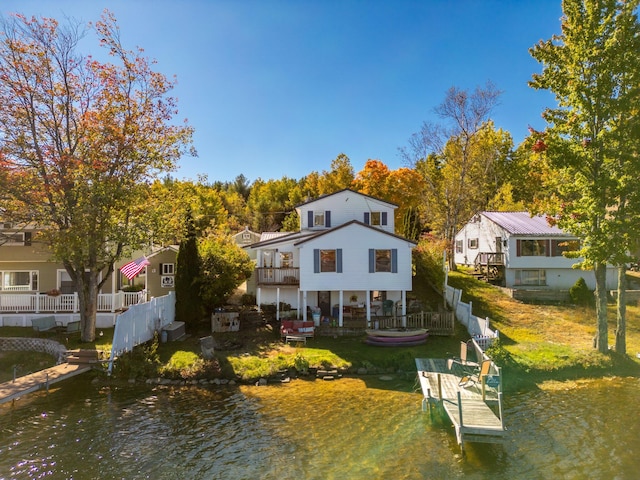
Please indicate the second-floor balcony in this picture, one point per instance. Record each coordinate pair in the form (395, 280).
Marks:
(277, 276)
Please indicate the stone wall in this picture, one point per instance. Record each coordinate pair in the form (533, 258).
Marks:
(55, 349)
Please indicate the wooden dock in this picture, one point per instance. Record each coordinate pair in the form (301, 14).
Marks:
(468, 407)
(79, 361)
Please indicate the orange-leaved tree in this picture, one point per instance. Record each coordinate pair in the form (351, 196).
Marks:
(79, 139)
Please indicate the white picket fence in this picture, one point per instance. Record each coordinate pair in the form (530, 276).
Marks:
(139, 324)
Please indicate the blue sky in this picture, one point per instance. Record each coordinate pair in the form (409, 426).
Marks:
(281, 88)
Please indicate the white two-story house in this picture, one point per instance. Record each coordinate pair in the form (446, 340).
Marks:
(345, 254)
(521, 251)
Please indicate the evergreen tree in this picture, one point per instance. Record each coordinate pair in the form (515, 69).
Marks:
(188, 300)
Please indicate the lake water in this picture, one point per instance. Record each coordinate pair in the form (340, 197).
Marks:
(362, 428)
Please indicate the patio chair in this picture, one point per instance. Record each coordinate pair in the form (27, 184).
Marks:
(463, 363)
(476, 377)
(387, 307)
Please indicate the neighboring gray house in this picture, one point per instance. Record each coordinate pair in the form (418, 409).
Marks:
(520, 251)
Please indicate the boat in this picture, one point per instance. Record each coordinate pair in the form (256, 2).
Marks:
(412, 338)
(396, 332)
(399, 342)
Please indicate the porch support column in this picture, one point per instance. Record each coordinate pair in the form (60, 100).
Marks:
(404, 308)
(277, 303)
(340, 308)
(113, 289)
(367, 296)
(298, 303)
(304, 305)
(258, 296)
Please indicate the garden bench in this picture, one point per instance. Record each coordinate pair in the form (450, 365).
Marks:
(44, 324)
(72, 327)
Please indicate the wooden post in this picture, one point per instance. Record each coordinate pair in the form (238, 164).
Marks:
(439, 388)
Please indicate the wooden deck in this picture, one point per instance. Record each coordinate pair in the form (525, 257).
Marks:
(468, 408)
(39, 380)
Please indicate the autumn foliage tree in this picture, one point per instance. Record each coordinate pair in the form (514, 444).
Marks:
(461, 159)
(79, 138)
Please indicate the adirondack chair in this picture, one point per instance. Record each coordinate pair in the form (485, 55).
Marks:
(463, 364)
(476, 377)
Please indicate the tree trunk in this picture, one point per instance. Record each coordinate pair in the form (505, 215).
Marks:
(87, 287)
(600, 340)
(621, 313)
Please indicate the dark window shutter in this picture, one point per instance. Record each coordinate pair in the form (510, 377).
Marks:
(160, 269)
(384, 218)
(316, 260)
(372, 260)
(366, 218)
(27, 239)
(310, 219)
(518, 248)
(339, 260)
(394, 260)
(327, 218)
(547, 248)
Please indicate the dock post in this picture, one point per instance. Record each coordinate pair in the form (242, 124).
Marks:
(460, 427)
(500, 409)
(439, 387)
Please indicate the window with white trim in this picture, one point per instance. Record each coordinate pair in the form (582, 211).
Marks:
(383, 260)
(531, 277)
(472, 243)
(168, 269)
(327, 260)
(458, 246)
(19, 281)
(532, 248)
(286, 259)
(318, 219)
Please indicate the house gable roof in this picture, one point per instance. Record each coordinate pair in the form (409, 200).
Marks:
(352, 222)
(339, 192)
(522, 223)
(172, 248)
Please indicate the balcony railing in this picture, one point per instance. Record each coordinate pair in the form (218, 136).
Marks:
(490, 258)
(278, 276)
(65, 303)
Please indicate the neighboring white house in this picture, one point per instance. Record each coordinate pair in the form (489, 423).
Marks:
(345, 254)
(522, 251)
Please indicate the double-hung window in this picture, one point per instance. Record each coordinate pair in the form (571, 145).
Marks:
(383, 260)
(318, 218)
(327, 260)
(19, 281)
(167, 269)
(375, 218)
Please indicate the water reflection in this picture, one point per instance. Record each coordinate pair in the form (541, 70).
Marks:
(349, 428)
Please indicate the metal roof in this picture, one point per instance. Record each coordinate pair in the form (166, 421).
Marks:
(522, 223)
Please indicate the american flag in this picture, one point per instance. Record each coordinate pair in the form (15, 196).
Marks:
(134, 267)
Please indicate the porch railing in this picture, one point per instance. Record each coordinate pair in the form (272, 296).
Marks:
(66, 303)
(438, 323)
(278, 276)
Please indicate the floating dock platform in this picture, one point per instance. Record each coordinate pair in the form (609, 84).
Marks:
(474, 408)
